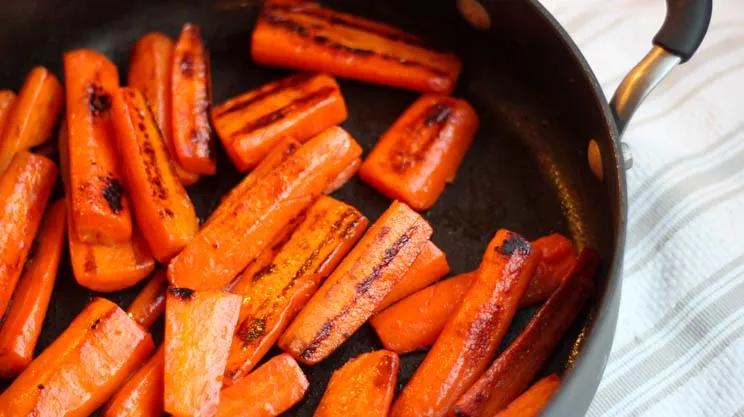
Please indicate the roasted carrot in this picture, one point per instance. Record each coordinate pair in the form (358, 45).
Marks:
(161, 205)
(198, 329)
(150, 66)
(22, 327)
(25, 188)
(532, 402)
(275, 294)
(270, 390)
(80, 370)
(470, 338)
(142, 394)
(518, 365)
(344, 176)
(355, 289)
(190, 100)
(305, 36)
(7, 100)
(149, 304)
(228, 243)
(300, 106)
(558, 258)
(365, 385)
(421, 152)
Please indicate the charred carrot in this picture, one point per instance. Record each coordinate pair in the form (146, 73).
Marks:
(80, 370)
(558, 258)
(355, 289)
(518, 365)
(229, 242)
(300, 106)
(149, 304)
(142, 394)
(365, 384)
(344, 176)
(532, 402)
(470, 338)
(302, 35)
(7, 100)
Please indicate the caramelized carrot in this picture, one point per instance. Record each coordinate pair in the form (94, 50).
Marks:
(532, 402)
(198, 329)
(365, 384)
(142, 394)
(160, 202)
(558, 258)
(305, 36)
(355, 289)
(344, 176)
(228, 243)
(470, 338)
(421, 152)
(149, 304)
(518, 365)
(19, 334)
(25, 188)
(7, 100)
(300, 106)
(190, 100)
(270, 390)
(150, 66)
(275, 294)
(82, 368)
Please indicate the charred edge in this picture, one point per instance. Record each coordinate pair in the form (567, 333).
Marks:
(112, 191)
(287, 83)
(327, 240)
(251, 330)
(345, 232)
(268, 269)
(403, 156)
(410, 63)
(513, 243)
(40, 386)
(183, 294)
(323, 334)
(352, 50)
(95, 324)
(390, 254)
(99, 101)
(438, 113)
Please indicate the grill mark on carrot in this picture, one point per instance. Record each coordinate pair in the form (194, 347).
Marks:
(184, 294)
(99, 101)
(287, 83)
(112, 193)
(390, 253)
(252, 329)
(405, 155)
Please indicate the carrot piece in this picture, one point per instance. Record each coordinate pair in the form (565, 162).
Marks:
(150, 66)
(421, 152)
(365, 384)
(355, 289)
(19, 334)
(558, 258)
(7, 100)
(273, 295)
(344, 176)
(149, 304)
(228, 243)
(532, 402)
(82, 368)
(25, 188)
(142, 394)
(470, 338)
(302, 35)
(270, 390)
(300, 106)
(190, 100)
(518, 365)
(198, 329)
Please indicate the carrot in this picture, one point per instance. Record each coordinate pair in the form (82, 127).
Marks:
(532, 402)
(160, 202)
(355, 289)
(305, 36)
(198, 328)
(7, 100)
(470, 338)
(558, 258)
(421, 152)
(365, 385)
(142, 394)
(19, 334)
(25, 188)
(190, 100)
(518, 365)
(270, 390)
(300, 106)
(273, 295)
(228, 243)
(80, 370)
(344, 176)
(149, 304)
(150, 66)
(97, 202)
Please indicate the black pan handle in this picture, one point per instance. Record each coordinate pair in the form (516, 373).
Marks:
(684, 27)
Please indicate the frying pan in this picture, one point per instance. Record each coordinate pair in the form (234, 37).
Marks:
(547, 158)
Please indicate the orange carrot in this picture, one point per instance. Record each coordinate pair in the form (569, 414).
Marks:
(149, 304)
(365, 384)
(7, 100)
(421, 152)
(142, 394)
(77, 373)
(470, 338)
(228, 243)
(300, 106)
(355, 289)
(344, 176)
(532, 402)
(305, 36)
(19, 334)
(558, 258)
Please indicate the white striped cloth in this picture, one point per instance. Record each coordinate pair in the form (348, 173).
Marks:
(679, 348)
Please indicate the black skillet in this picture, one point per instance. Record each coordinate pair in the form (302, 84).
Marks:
(540, 107)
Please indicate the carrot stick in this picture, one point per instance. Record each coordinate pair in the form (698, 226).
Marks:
(532, 402)
(150, 66)
(300, 106)
(302, 35)
(344, 176)
(228, 243)
(7, 100)
(558, 258)
(275, 294)
(355, 289)
(421, 152)
(470, 338)
(142, 394)
(518, 365)
(19, 334)
(365, 384)
(149, 304)
(77, 373)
